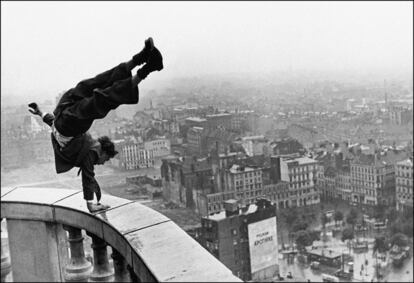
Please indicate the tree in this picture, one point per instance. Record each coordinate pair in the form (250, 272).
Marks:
(396, 228)
(399, 239)
(379, 212)
(407, 228)
(299, 225)
(338, 216)
(303, 239)
(408, 213)
(347, 234)
(290, 216)
(392, 214)
(351, 218)
(380, 245)
(324, 220)
(315, 235)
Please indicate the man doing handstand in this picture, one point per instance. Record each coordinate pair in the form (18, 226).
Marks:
(92, 99)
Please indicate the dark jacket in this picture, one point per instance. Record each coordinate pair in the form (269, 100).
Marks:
(83, 152)
(73, 153)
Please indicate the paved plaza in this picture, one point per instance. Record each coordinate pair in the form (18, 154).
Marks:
(302, 272)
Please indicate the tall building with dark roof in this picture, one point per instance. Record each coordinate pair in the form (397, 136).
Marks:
(244, 239)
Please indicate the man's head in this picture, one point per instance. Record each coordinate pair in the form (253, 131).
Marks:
(107, 150)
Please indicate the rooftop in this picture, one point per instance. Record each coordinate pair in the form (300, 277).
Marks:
(222, 214)
(218, 115)
(406, 162)
(237, 169)
(325, 253)
(301, 160)
(196, 119)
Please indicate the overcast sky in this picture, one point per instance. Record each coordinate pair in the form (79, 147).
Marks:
(47, 47)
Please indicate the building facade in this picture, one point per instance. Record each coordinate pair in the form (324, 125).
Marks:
(400, 115)
(244, 239)
(254, 145)
(195, 140)
(160, 147)
(215, 120)
(134, 156)
(372, 181)
(404, 185)
(301, 174)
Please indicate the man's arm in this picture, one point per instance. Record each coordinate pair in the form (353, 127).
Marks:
(46, 117)
(89, 183)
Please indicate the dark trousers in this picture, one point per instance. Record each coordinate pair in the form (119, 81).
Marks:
(92, 99)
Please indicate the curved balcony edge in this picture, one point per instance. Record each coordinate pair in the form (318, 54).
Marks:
(155, 247)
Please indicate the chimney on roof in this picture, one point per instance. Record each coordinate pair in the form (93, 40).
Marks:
(231, 207)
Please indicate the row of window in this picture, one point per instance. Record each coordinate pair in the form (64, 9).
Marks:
(403, 167)
(251, 187)
(404, 174)
(248, 174)
(405, 196)
(365, 184)
(366, 170)
(370, 202)
(299, 185)
(368, 192)
(299, 177)
(303, 169)
(256, 180)
(407, 182)
(405, 190)
(367, 177)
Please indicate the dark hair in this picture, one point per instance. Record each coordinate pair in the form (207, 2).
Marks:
(108, 146)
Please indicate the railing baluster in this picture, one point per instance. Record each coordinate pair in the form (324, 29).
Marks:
(120, 267)
(78, 269)
(5, 261)
(102, 272)
(132, 275)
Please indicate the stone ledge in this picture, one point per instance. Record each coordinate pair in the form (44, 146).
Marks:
(156, 248)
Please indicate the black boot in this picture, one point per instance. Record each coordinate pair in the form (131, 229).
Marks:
(154, 63)
(142, 56)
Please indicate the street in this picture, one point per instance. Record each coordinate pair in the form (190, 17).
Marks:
(303, 272)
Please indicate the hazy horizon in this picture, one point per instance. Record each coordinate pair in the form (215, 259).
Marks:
(47, 47)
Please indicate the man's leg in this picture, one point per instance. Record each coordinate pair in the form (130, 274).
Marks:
(125, 91)
(93, 98)
(121, 72)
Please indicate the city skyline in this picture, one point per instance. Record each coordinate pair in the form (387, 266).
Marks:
(42, 55)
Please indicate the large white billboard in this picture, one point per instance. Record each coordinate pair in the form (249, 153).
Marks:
(263, 244)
